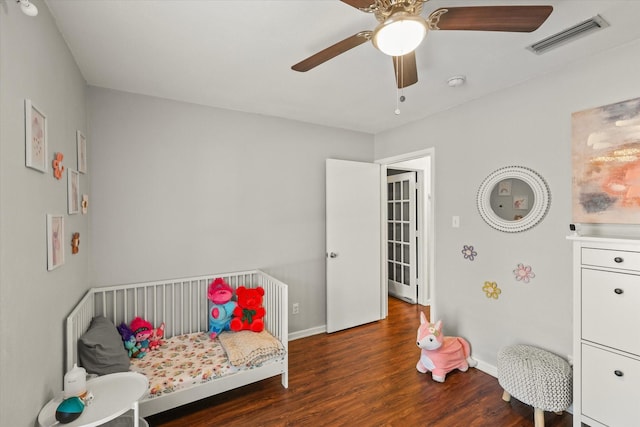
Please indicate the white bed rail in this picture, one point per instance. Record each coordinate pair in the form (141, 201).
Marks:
(181, 303)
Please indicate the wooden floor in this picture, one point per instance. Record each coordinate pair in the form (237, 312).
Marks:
(364, 376)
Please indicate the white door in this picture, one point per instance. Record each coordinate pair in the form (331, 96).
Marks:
(353, 204)
(402, 273)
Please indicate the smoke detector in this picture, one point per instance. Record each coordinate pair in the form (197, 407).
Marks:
(456, 81)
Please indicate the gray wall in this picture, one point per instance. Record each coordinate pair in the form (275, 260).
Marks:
(179, 189)
(36, 64)
(528, 125)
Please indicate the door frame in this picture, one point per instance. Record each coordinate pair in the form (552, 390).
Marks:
(415, 243)
(426, 291)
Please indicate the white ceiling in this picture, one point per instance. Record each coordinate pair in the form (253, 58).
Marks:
(237, 55)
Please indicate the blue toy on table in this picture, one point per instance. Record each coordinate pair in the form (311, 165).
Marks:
(69, 410)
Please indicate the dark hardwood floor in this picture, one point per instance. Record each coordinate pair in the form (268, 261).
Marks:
(364, 376)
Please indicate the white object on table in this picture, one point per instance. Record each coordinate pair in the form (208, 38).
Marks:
(113, 395)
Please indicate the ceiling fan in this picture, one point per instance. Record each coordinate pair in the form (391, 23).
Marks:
(401, 29)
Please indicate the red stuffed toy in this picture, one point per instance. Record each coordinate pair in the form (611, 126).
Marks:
(249, 312)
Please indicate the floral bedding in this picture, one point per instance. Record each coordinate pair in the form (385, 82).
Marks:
(191, 359)
(181, 362)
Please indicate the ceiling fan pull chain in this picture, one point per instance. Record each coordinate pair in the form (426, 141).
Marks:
(398, 73)
(402, 98)
(399, 63)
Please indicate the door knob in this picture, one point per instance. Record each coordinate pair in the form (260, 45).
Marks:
(333, 255)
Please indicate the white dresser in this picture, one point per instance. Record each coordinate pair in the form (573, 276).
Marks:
(606, 331)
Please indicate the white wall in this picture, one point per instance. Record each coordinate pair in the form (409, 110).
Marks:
(180, 189)
(36, 64)
(528, 125)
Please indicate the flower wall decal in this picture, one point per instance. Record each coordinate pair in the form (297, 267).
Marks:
(523, 273)
(469, 253)
(57, 166)
(85, 203)
(491, 289)
(75, 243)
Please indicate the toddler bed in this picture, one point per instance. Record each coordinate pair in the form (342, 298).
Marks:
(189, 366)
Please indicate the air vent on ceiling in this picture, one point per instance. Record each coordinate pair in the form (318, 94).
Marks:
(570, 34)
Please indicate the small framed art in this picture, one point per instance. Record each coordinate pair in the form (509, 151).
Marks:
(504, 187)
(520, 202)
(82, 152)
(35, 137)
(55, 241)
(73, 191)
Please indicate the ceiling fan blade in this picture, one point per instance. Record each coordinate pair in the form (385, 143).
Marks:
(522, 19)
(364, 5)
(405, 69)
(332, 51)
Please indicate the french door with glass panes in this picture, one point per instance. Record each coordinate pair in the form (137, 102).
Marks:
(401, 236)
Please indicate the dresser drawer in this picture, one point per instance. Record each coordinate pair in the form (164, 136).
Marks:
(610, 387)
(611, 309)
(611, 258)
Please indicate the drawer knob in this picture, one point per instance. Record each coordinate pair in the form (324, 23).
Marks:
(618, 291)
(618, 373)
(618, 259)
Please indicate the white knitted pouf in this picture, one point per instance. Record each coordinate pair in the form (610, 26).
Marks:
(535, 377)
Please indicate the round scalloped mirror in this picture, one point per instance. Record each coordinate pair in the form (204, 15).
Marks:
(513, 199)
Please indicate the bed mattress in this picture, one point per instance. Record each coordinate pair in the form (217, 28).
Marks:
(182, 362)
(187, 360)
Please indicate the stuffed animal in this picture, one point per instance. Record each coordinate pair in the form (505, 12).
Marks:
(155, 341)
(220, 307)
(249, 312)
(441, 354)
(142, 329)
(129, 340)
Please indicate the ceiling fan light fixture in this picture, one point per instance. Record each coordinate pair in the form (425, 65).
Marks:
(400, 34)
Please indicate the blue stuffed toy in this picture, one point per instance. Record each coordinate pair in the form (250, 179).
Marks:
(130, 342)
(220, 307)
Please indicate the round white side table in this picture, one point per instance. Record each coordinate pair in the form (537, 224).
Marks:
(113, 395)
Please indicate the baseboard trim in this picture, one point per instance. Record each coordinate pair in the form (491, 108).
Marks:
(487, 368)
(307, 332)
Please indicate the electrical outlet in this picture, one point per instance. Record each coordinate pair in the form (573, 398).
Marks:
(296, 308)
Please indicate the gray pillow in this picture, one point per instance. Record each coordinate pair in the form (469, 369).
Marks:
(100, 349)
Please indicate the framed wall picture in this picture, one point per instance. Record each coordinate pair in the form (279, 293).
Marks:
(55, 241)
(504, 187)
(606, 164)
(35, 123)
(73, 191)
(520, 202)
(82, 152)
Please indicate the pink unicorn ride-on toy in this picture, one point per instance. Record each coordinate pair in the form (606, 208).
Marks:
(440, 354)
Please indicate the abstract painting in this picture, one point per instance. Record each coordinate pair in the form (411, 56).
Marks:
(606, 164)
